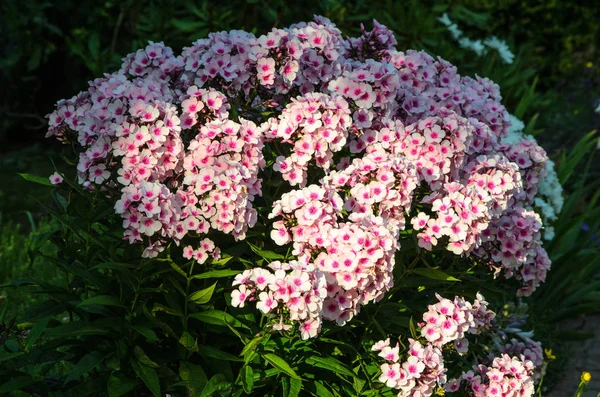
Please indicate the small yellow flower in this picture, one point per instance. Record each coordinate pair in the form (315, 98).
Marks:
(586, 377)
(576, 112)
(549, 354)
(589, 64)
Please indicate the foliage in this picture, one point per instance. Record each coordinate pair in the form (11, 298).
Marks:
(19, 198)
(23, 256)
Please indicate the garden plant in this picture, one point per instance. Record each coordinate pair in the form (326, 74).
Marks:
(297, 213)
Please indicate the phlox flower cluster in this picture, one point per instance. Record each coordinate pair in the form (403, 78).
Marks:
(531, 159)
(355, 259)
(417, 376)
(464, 195)
(155, 58)
(375, 44)
(129, 134)
(377, 184)
(369, 88)
(530, 350)
(301, 57)
(448, 321)
(508, 337)
(221, 166)
(180, 169)
(428, 86)
(317, 126)
(505, 376)
(369, 143)
(514, 241)
(289, 291)
(423, 370)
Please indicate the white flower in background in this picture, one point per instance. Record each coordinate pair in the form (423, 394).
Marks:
(549, 201)
(455, 31)
(445, 19)
(452, 27)
(551, 190)
(502, 48)
(549, 233)
(476, 45)
(516, 125)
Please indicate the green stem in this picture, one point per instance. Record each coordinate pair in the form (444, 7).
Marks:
(187, 294)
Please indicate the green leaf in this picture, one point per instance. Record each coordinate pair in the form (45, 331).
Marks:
(330, 364)
(209, 351)
(36, 179)
(143, 358)
(18, 283)
(215, 384)
(188, 341)
(359, 385)
(35, 58)
(148, 376)
(36, 331)
(17, 383)
(203, 296)
(194, 374)
(222, 261)
(295, 387)
(321, 390)
(94, 45)
(117, 386)
(265, 254)
(162, 308)
(104, 300)
(158, 323)
(60, 200)
(185, 25)
(72, 226)
(177, 268)
(217, 274)
(433, 274)
(247, 375)
(280, 364)
(411, 327)
(77, 328)
(251, 346)
(113, 265)
(4, 356)
(3, 309)
(146, 332)
(217, 317)
(86, 364)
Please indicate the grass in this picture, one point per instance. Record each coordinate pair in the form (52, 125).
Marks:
(21, 257)
(18, 197)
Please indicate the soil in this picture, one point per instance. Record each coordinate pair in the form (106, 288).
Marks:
(584, 357)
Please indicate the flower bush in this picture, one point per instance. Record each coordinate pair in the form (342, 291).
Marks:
(328, 176)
